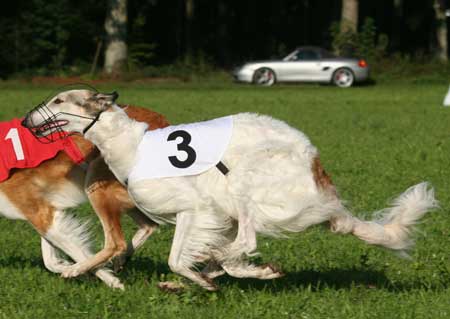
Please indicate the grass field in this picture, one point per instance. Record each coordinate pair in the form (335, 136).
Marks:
(375, 141)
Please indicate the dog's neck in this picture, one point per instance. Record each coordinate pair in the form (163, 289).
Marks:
(117, 137)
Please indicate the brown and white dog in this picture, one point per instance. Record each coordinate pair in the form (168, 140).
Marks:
(40, 195)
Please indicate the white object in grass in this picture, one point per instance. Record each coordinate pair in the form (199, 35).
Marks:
(447, 98)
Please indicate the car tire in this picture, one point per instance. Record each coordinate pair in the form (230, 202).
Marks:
(264, 77)
(343, 77)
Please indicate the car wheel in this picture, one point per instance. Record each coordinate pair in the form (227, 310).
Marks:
(264, 76)
(343, 78)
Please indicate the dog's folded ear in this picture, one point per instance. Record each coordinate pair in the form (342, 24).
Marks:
(100, 102)
(107, 96)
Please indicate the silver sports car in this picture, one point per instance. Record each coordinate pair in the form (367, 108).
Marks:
(305, 64)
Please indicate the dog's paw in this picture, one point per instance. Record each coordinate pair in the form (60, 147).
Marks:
(271, 272)
(116, 284)
(170, 286)
(71, 271)
(109, 279)
(208, 283)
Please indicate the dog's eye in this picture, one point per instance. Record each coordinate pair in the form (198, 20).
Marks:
(58, 101)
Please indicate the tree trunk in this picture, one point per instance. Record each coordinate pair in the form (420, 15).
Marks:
(222, 43)
(188, 35)
(116, 32)
(441, 30)
(396, 37)
(349, 16)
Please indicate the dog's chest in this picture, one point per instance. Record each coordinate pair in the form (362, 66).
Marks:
(20, 149)
(182, 150)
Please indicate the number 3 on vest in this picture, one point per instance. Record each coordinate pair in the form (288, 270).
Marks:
(183, 146)
(13, 135)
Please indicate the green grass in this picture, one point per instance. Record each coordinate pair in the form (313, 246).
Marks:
(375, 141)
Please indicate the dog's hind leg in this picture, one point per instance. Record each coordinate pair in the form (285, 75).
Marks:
(213, 270)
(243, 269)
(236, 264)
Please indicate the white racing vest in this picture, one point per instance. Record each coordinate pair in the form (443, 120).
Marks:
(182, 150)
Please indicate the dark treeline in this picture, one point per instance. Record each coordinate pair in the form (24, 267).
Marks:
(41, 35)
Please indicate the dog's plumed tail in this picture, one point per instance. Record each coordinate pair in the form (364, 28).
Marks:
(393, 227)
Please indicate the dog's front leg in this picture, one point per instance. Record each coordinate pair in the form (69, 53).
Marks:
(107, 203)
(54, 263)
(52, 260)
(183, 254)
(146, 229)
(109, 200)
(67, 234)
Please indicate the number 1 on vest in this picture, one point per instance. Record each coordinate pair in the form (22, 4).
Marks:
(13, 135)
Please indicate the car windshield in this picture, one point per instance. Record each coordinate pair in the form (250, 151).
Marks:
(308, 54)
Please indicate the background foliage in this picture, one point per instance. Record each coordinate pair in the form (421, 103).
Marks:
(43, 37)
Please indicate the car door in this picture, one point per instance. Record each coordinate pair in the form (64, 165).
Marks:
(305, 65)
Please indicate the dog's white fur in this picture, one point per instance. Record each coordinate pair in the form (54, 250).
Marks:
(270, 189)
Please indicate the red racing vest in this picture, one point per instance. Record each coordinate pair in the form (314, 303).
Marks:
(21, 149)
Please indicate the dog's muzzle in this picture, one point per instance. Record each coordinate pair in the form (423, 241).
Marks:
(44, 124)
(47, 128)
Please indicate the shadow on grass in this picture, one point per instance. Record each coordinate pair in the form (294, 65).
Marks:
(316, 280)
(308, 279)
(144, 267)
(20, 262)
(331, 279)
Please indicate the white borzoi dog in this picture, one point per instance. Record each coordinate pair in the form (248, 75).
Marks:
(270, 182)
